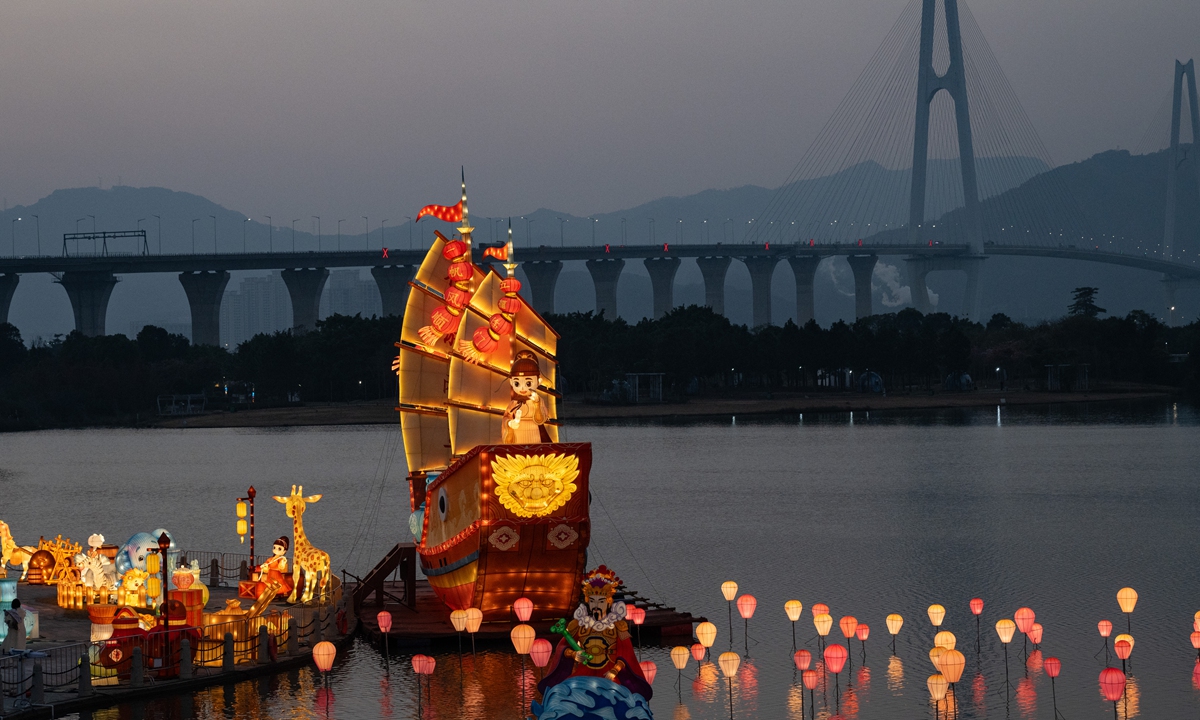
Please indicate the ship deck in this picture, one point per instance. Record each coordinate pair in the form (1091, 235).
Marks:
(427, 624)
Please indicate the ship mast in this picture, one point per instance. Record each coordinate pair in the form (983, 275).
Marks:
(465, 230)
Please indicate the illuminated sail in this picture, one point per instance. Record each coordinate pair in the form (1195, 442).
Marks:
(424, 369)
(479, 392)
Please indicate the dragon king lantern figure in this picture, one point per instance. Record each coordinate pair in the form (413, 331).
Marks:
(594, 671)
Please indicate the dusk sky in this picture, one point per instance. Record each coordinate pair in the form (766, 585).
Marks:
(302, 108)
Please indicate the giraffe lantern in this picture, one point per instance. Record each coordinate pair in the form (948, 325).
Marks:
(310, 560)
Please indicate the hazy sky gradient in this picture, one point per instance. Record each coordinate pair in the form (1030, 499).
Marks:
(297, 108)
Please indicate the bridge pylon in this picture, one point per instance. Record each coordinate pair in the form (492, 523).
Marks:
(1176, 156)
(929, 84)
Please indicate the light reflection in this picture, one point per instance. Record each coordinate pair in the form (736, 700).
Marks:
(747, 688)
(704, 687)
(979, 693)
(796, 702)
(1026, 697)
(895, 674)
(1130, 705)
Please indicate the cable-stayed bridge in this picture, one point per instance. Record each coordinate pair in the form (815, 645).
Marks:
(929, 157)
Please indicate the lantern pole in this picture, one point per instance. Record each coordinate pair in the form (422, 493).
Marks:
(523, 713)
(978, 645)
(729, 603)
(794, 650)
(812, 703)
(164, 544)
(746, 635)
(731, 692)
(250, 493)
(1054, 698)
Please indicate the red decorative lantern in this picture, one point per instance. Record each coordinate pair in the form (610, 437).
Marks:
(803, 659)
(323, 655)
(523, 607)
(385, 621)
(540, 652)
(819, 609)
(457, 298)
(835, 658)
(697, 652)
(510, 286)
(1024, 618)
(810, 678)
(746, 605)
(459, 272)
(976, 606)
(1123, 649)
(848, 625)
(862, 632)
(500, 325)
(1105, 628)
(1053, 666)
(454, 250)
(1035, 634)
(423, 664)
(510, 305)
(1112, 684)
(636, 614)
(1196, 640)
(649, 669)
(484, 341)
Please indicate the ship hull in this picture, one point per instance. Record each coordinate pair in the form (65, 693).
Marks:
(509, 521)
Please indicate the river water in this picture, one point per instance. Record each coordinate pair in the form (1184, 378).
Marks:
(1054, 508)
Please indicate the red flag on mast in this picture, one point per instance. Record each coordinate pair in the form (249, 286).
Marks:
(500, 252)
(445, 213)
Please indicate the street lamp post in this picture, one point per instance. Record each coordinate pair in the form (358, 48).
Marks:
(159, 233)
(528, 235)
(651, 230)
(318, 218)
(270, 234)
(294, 234)
(37, 221)
(214, 219)
(340, 234)
(13, 228)
(93, 217)
(244, 234)
(410, 226)
(367, 233)
(561, 239)
(194, 221)
(139, 227)
(594, 221)
(624, 231)
(382, 224)
(679, 231)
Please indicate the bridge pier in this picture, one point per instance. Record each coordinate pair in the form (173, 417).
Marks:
(204, 293)
(762, 270)
(543, 277)
(662, 280)
(304, 287)
(804, 267)
(920, 267)
(714, 270)
(8, 285)
(863, 267)
(392, 282)
(606, 273)
(917, 269)
(89, 292)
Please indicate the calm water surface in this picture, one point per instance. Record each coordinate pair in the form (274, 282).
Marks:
(1054, 508)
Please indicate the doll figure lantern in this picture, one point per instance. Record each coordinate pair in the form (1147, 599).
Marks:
(524, 417)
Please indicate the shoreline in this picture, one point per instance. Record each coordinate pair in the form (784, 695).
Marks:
(377, 413)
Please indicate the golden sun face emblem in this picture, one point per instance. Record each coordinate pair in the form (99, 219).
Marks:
(534, 485)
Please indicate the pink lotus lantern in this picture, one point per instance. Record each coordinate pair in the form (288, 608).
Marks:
(523, 607)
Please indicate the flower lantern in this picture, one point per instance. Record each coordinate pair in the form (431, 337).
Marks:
(894, 623)
(1035, 634)
(976, 606)
(810, 678)
(729, 662)
(385, 621)
(823, 623)
(803, 659)
(1006, 629)
(951, 663)
(523, 607)
(793, 608)
(862, 632)
(697, 651)
(1053, 666)
(729, 589)
(835, 658)
(937, 685)
(945, 639)
(746, 606)
(458, 618)
(1105, 628)
(937, 614)
(540, 652)
(820, 609)
(474, 619)
(650, 670)
(1112, 684)
(706, 633)
(1123, 648)
(679, 657)
(522, 638)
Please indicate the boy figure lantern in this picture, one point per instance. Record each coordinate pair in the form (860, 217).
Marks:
(524, 417)
(596, 642)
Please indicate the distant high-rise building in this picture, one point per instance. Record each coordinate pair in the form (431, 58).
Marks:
(262, 304)
(348, 293)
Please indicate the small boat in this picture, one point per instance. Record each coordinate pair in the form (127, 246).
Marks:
(499, 505)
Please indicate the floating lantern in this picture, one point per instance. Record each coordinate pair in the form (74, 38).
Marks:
(523, 608)
(1123, 649)
(1196, 641)
(541, 650)
(976, 606)
(650, 670)
(951, 663)
(746, 605)
(1053, 667)
(1105, 628)
(729, 589)
(1035, 634)
(937, 685)
(697, 651)
(820, 609)
(937, 613)
(729, 662)
(423, 664)
(706, 633)
(458, 618)
(679, 657)
(1127, 598)
(935, 657)
(1127, 638)
(385, 621)
(848, 624)
(474, 620)
(823, 623)
(1112, 685)
(1196, 625)
(862, 632)
(1024, 618)
(810, 678)
(323, 655)
(803, 659)
(894, 623)
(945, 639)
(636, 614)
(1006, 629)
(835, 658)
(793, 608)
(522, 638)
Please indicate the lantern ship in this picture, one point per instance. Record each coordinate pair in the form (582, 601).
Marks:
(499, 505)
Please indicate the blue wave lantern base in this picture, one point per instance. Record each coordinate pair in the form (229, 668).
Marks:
(591, 698)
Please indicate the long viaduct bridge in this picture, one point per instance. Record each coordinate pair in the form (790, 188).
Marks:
(89, 280)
